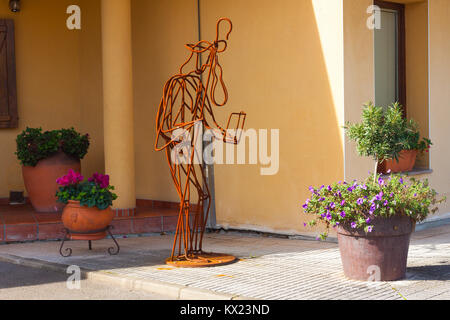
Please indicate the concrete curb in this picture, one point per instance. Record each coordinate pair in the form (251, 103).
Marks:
(170, 290)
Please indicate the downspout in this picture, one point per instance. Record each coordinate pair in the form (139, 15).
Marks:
(209, 168)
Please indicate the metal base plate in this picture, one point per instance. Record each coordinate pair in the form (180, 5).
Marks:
(201, 260)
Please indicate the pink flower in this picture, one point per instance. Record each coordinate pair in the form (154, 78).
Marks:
(69, 179)
(101, 180)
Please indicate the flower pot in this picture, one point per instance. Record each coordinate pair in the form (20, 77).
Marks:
(406, 161)
(40, 181)
(380, 255)
(86, 223)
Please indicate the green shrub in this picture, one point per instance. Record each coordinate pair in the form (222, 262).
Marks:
(383, 133)
(34, 145)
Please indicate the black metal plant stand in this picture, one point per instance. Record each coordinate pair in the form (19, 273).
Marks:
(112, 250)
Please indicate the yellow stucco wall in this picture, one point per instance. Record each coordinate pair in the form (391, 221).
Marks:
(428, 104)
(57, 80)
(276, 71)
(287, 69)
(160, 31)
(359, 78)
(417, 69)
(284, 66)
(439, 25)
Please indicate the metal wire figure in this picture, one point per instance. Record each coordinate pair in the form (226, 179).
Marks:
(188, 102)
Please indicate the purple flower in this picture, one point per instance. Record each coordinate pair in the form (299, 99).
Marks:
(332, 205)
(369, 228)
(415, 194)
(368, 220)
(322, 199)
(363, 186)
(342, 214)
(328, 216)
(311, 189)
(385, 203)
(381, 181)
(360, 201)
(391, 195)
(353, 224)
(389, 171)
(329, 188)
(373, 207)
(401, 180)
(305, 206)
(342, 202)
(379, 196)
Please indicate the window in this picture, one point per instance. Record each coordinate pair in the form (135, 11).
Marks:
(8, 94)
(390, 66)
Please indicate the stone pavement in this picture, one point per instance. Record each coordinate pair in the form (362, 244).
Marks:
(268, 267)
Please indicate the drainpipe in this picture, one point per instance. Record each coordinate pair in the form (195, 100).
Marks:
(209, 168)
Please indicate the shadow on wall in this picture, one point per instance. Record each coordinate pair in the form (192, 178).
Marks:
(160, 31)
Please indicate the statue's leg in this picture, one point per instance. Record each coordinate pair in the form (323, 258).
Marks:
(204, 213)
(180, 229)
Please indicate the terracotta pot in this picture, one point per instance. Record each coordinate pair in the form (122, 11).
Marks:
(84, 222)
(406, 162)
(40, 181)
(377, 256)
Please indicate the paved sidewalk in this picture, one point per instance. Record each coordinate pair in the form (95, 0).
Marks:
(268, 267)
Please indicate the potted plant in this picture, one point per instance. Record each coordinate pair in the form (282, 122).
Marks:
(88, 211)
(386, 136)
(412, 146)
(45, 156)
(374, 220)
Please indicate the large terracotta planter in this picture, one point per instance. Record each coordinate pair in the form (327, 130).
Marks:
(40, 181)
(86, 223)
(377, 256)
(406, 162)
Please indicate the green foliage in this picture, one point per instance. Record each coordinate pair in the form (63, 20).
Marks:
(383, 133)
(89, 194)
(357, 204)
(34, 145)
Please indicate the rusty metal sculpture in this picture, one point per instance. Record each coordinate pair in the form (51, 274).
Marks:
(188, 100)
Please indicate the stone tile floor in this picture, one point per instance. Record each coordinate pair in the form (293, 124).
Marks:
(268, 267)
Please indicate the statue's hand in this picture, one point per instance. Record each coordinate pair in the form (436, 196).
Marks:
(234, 135)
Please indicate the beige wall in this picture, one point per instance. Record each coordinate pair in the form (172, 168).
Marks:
(56, 80)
